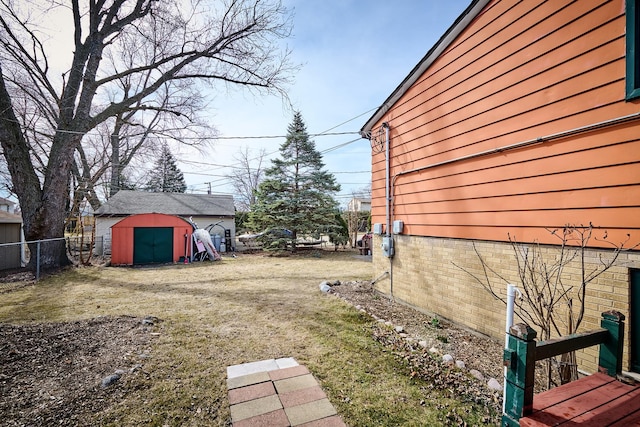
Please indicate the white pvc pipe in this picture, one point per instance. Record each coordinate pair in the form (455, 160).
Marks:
(511, 297)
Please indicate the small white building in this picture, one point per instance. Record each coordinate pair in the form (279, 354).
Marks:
(6, 205)
(202, 209)
(358, 204)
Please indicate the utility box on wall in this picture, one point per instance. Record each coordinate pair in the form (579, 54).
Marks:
(387, 246)
(377, 228)
(398, 226)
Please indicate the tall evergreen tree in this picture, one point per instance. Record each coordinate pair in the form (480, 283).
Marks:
(296, 194)
(125, 183)
(165, 176)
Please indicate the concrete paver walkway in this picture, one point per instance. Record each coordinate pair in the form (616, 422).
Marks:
(278, 392)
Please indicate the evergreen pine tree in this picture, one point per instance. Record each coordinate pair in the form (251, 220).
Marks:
(296, 194)
(124, 182)
(165, 176)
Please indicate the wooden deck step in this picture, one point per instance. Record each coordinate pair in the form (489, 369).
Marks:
(595, 400)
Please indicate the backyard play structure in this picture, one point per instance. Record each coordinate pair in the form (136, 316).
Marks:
(204, 246)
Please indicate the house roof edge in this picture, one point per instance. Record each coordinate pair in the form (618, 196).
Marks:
(445, 40)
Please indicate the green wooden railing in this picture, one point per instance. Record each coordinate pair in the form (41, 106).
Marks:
(523, 351)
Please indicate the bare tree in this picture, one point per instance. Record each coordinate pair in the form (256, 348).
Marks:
(357, 220)
(552, 299)
(5, 176)
(246, 177)
(173, 113)
(131, 134)
(190, 43)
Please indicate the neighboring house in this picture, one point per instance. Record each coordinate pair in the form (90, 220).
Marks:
(6, 205)
(359, 205)
(204, 209)
(10, 232)
(524, 117)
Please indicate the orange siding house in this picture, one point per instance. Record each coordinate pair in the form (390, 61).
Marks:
(523, 118)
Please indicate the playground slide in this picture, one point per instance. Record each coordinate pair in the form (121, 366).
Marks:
(204, 236)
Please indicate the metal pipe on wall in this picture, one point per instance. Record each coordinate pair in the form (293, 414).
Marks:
(385, 125)
(387, 182)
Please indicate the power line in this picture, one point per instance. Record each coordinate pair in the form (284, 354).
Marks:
(325, 133)
(188, 138)
(352, 119)
(336, 147)
(284, 136)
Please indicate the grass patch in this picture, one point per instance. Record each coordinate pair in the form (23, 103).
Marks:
(239, 310)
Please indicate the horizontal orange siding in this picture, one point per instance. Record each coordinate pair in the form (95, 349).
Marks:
(517, 73)
(523, 65)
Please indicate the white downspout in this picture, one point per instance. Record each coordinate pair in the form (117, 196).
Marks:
(511, 297)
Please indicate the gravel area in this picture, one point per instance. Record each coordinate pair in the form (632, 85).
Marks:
(475, 350)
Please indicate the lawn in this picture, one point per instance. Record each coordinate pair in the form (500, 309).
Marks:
(212, 315)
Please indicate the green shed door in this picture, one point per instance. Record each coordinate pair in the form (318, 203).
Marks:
(634, 321)
(152, 245)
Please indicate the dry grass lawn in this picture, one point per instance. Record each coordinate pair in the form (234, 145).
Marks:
(239, 310)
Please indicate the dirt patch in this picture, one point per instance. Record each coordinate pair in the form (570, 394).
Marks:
(52, 373)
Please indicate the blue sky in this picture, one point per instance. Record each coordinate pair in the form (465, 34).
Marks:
(354, 53)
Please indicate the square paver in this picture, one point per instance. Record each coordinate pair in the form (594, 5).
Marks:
(300, 397)
(251, 368)
(243, 381)
(295, 383)
(270, 419)
(254, 408)
(333, 421)
(255, 391)
(294, 371)
(286, 362)
(310, 412)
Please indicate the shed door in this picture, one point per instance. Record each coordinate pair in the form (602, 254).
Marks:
(152, 245)
(634, 321)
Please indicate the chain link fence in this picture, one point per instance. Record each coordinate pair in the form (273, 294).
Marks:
(14, 257)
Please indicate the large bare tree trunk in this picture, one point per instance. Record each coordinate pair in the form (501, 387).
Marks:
(130, 58)
(115, 164)
(42, 215)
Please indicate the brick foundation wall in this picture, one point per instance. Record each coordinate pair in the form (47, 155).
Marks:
(429, 274)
